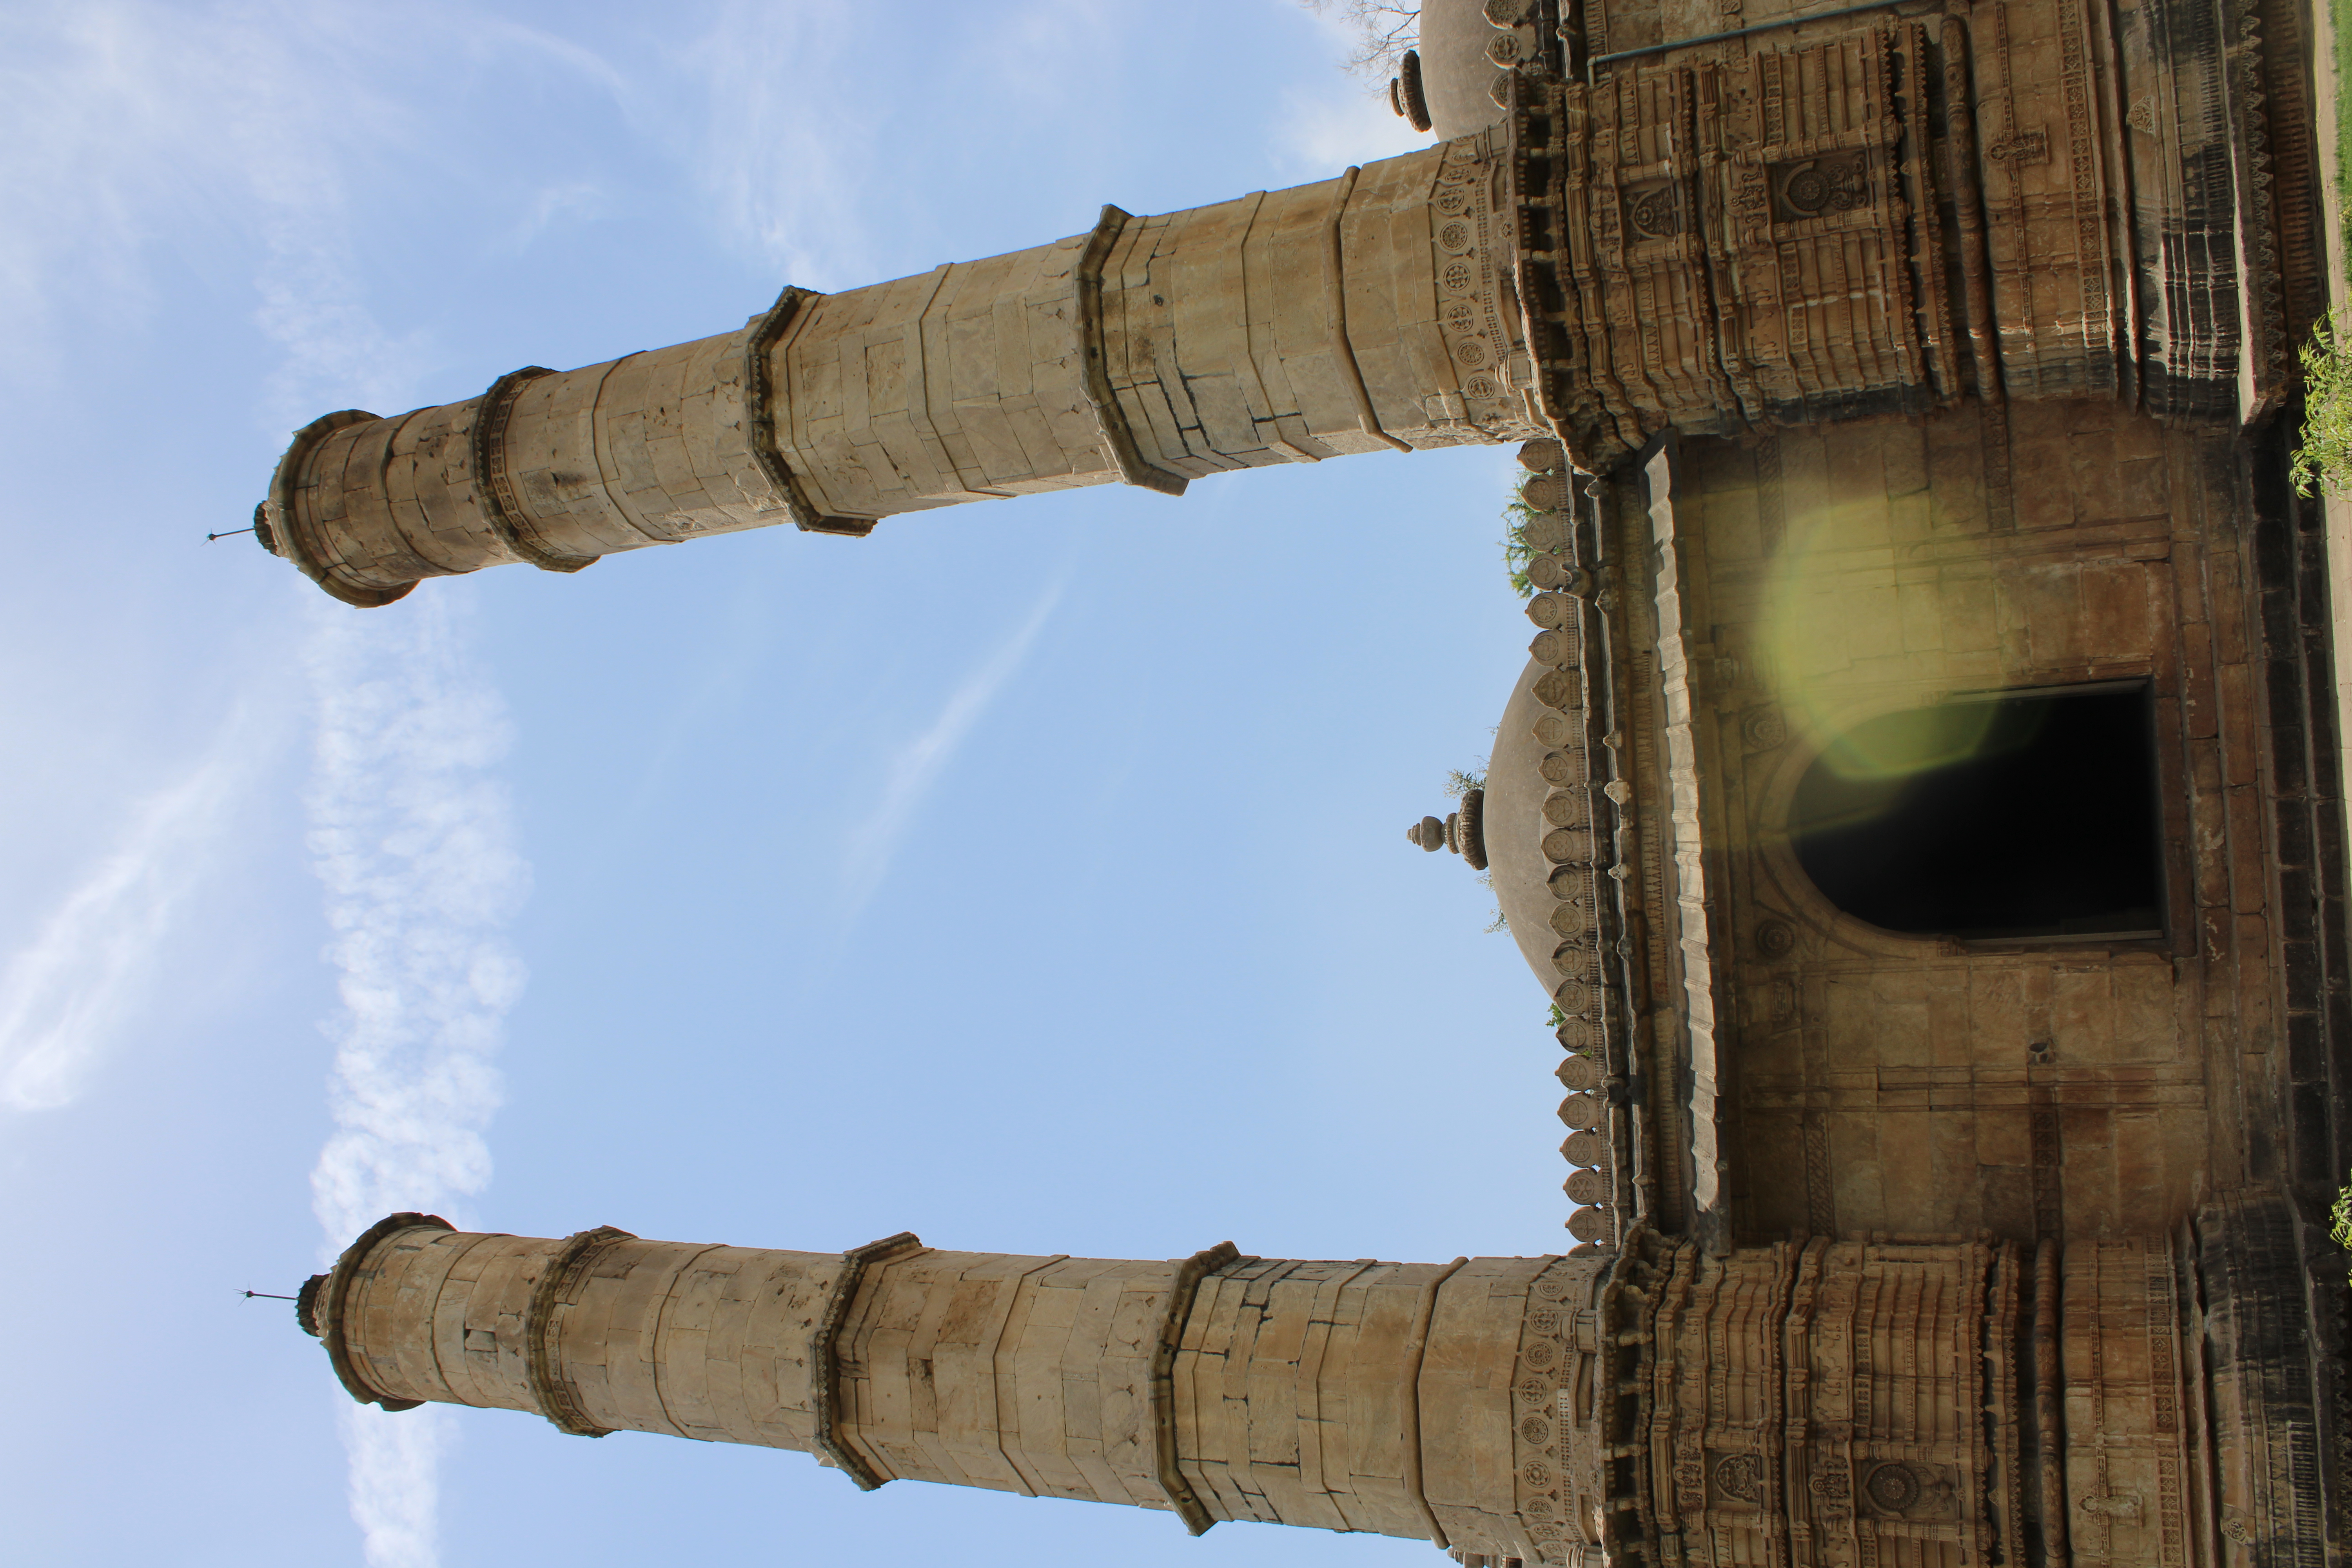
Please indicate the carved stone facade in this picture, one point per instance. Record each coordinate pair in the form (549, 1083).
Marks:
(1870, 360)
(1763, 1063)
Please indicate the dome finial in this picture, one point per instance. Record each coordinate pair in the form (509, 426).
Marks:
(1461, 831)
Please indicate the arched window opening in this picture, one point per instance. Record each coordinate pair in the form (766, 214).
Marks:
(2017, 814)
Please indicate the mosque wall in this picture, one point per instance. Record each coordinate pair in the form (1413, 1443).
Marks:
(1923, 1084)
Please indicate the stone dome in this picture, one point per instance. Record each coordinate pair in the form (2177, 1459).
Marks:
(1455, 67)
(1515, 788)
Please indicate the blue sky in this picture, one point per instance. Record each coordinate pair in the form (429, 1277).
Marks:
(1028, 875)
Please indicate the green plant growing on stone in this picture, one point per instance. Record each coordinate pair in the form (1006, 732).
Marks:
(2323, 455)
(2341, 1214)
(1517, 515)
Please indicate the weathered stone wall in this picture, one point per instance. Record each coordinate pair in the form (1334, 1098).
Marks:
(1021, 1374)
(1283, 1412)
(1818, 577)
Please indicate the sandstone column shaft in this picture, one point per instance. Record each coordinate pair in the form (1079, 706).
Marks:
(1363, 313)
(1842, 1396)
(1358, 1396)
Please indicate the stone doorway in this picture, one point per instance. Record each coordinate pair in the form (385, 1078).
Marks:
(2010, 816)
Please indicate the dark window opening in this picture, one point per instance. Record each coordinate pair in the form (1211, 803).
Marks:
(2017, 814)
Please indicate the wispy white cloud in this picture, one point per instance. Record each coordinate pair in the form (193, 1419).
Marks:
(790, 151)
(411, 833)
(572, 199)
(136, 135)
(784, 174)
(132, 131)
(67, 998)
(874, 842)
(395, 1483)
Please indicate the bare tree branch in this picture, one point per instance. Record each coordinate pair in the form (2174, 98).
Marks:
(1384, 30)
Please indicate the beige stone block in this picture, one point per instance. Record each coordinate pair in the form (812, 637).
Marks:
(2116, 607)
(2248, 862)
(1999, 1031)
(2226, 607)
(2040, 469)
(2144, 1012)
(2049, 600)
(2082, 1015)
(1855, 1174)
(2086, 1136)
(1922, 615)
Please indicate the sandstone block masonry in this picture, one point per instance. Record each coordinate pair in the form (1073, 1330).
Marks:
(1834, 216)
(1900, 1399)
(1282, 327)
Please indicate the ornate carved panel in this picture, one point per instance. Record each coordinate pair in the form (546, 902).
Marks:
(1817, 1403)
(1485, 377)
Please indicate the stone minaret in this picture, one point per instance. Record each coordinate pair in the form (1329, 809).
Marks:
(1860, 1398)
(1284, 327)
(1845, 215)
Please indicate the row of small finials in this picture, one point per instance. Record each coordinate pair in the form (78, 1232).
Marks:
(1570, 844)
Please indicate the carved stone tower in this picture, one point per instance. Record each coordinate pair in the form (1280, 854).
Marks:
(1546, 1409)
(1891, 212)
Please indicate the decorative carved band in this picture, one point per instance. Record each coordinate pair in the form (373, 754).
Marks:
(1416, 1351)
(561, 1282)
(2048, 1472)
(1335, 289)
(1187, 1285)
(762, 412)
(494, 489)
(823, 1361)
(1118, 436)
(327, 1319)
(283, 534)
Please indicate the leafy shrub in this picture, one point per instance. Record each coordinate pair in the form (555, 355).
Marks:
(2342, 1215)
(2323, 458)
(1515, 549)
